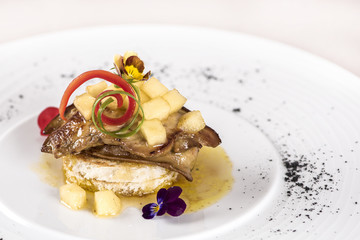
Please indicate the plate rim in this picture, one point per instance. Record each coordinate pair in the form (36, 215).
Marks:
(256, 38)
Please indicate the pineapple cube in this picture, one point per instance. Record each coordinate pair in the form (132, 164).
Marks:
(154, 88)
(73, 196)
(84, 104)
(143, 96)
(191, 122)
(139, 84)
(175, 100)
(153, 131)
(96, 89)
(156, 108)
(106, 203)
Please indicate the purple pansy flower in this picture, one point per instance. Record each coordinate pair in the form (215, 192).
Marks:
(168, 201)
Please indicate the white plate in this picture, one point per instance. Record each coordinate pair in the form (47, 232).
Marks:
(274, 107)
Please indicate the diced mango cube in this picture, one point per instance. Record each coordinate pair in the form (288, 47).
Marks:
(96, 89)
(154, 88)
(191, 122)
(156, 108)
(143, 96)
(175, 100)
(84, 104)
(139, 84)
(153, 131)
(73, 196)
(106, 203)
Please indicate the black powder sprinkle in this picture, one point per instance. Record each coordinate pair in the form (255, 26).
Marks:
(209, 75)
(306, 181)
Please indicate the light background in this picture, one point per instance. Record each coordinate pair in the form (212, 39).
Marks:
(328, 28)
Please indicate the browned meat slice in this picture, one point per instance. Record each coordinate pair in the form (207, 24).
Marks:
(78, 136)
(181, 163)
(58, 122)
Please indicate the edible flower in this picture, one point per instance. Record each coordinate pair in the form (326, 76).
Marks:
(168, 201)
(130, 66)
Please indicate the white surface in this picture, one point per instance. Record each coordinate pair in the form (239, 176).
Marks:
(303, 107)
(328, 28)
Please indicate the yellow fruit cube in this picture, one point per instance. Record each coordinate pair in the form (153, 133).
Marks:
(191, 122)
(143, 96)
(175, 100)
(73, 196)
(96, 89)
(106, 203)
(154, 88)
(84, 104)
(139, 84)
(153, 131)
(156, 108)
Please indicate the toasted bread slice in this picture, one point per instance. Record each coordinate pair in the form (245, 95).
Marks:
(123, 178)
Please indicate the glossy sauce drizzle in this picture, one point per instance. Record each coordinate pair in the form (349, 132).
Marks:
(212, 180)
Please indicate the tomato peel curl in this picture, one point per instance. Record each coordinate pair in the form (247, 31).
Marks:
(107, 76)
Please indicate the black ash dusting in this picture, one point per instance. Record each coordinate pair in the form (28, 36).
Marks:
(67, 75)
(209, 74)
(161, 70)
(307, 180)
(10, 108)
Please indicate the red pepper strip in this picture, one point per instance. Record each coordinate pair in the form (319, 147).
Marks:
(104, 118)
(108, 76)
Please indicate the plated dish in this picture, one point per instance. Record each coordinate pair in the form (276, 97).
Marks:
(131, 139)
(288, 121)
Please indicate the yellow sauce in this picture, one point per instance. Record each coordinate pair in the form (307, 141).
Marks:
(212, 180)
(49, 170)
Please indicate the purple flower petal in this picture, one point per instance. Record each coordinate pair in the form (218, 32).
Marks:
(162, 210)
(149, 210)
(161, 195)
(176, 208)
(173, 193)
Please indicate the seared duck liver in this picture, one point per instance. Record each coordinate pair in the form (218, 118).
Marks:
(78, 136)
